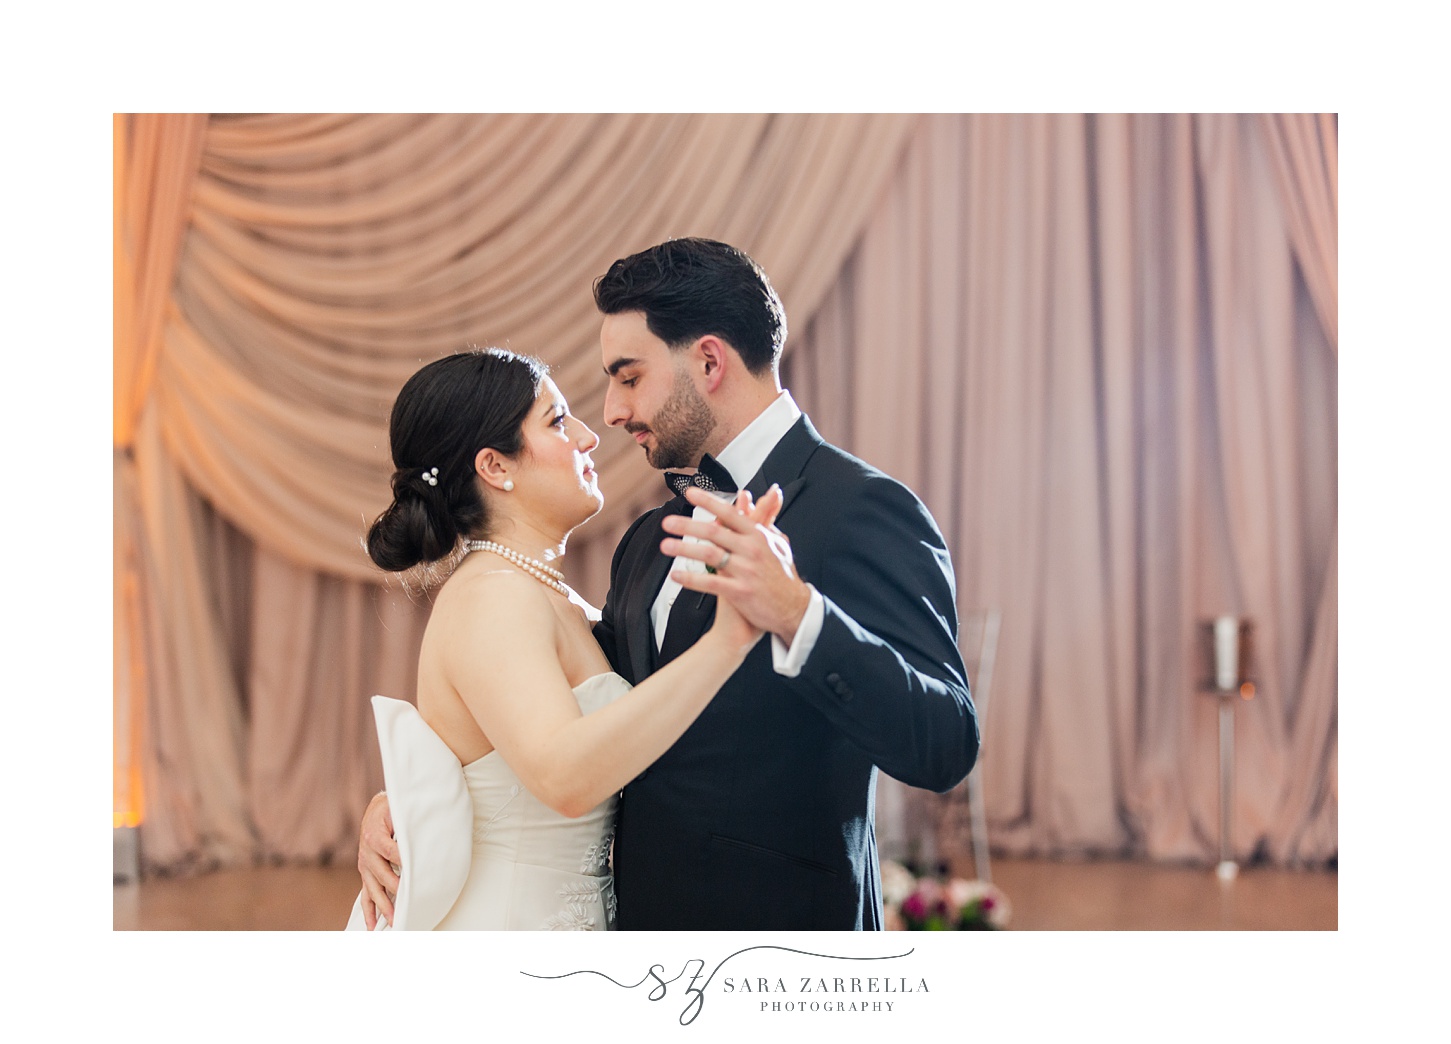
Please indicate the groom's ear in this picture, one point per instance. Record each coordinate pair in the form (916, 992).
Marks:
(493, 467)
(713, 357)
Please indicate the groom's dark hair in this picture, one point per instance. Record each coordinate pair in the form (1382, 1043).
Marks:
(688, 288)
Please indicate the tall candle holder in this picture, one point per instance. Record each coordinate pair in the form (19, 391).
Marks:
(1229, 643)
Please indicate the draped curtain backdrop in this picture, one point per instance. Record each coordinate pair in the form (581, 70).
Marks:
(1101, 348)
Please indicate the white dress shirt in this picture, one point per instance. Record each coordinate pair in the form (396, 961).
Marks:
(743, 458)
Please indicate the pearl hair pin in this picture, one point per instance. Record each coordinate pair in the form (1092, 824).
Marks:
(431, 476)
(549, 577)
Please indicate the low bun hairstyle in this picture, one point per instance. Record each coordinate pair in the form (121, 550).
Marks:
(443, 416)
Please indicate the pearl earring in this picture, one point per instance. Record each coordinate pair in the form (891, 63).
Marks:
(508, 485)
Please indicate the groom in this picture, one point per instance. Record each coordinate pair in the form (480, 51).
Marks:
(761, 815)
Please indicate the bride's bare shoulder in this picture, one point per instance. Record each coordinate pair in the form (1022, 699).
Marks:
(503, 598)
(591, 613)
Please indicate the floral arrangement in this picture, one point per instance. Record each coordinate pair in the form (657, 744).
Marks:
(932, 904)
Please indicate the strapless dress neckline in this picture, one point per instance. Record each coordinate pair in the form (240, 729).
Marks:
(582, 695)
(478, 850)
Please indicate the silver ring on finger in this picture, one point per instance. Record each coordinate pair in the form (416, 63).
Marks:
(724, 558)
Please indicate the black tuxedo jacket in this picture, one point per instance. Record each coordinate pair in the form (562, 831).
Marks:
(761, 815)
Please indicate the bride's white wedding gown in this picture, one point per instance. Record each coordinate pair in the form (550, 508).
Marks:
(479, 851)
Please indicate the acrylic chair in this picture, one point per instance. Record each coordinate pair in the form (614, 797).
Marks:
(977, 639)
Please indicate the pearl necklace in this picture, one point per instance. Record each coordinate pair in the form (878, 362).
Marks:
(551, 578)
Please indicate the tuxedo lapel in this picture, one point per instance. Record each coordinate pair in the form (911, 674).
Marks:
(693, 612)
(784, 465)
(646, 584)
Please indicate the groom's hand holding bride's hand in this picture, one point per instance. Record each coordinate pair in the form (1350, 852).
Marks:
(377, 856)
(750, 559)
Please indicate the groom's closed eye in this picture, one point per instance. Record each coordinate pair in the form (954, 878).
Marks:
(614, 371)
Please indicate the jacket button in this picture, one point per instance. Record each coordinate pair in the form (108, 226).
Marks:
(834, 680)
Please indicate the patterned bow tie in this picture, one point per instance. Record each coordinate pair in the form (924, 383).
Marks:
(711, 476)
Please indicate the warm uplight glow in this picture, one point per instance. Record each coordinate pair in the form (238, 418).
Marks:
(1247, 691)
(128, 802)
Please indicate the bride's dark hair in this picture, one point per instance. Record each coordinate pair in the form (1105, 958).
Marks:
(443, 416)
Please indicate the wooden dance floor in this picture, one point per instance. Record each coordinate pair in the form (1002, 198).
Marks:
(1045, 895)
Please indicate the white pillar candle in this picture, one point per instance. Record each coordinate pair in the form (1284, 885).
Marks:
(1226, 652)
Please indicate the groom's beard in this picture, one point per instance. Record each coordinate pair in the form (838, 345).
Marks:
(681, 427)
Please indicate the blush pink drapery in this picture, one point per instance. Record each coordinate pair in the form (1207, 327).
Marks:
(1043, 310)
(1094, 347)
(155, 164)
(326, 258)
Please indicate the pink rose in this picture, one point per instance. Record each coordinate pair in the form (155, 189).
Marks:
(914, 906)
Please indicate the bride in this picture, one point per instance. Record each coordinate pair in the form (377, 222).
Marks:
(502, 807)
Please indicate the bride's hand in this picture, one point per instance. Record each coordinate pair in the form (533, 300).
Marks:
(752, 570)
(734, 629)
(728, 619)
(377, 855)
